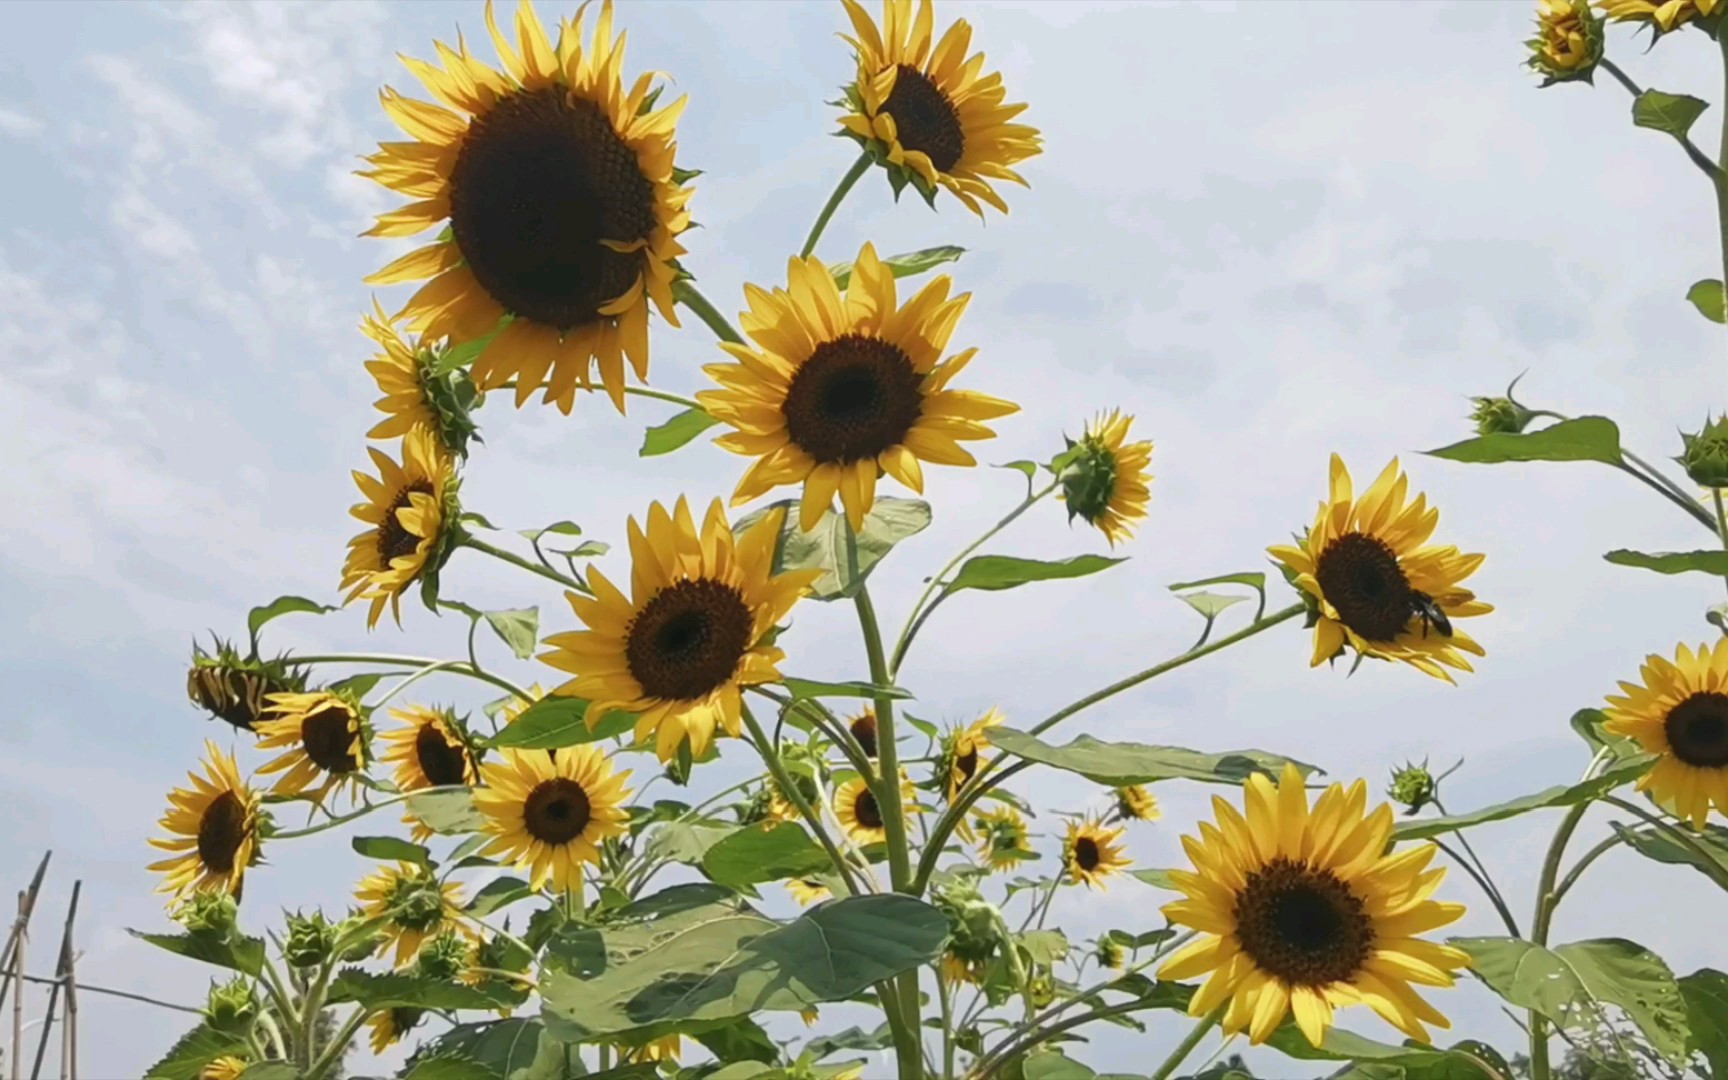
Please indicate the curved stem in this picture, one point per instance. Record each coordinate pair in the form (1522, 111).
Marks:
(1704, 860)
(831, 726)
(414, 661)
(691, 297)
(782, 778)
(324, 826)
(1692, 508)
(333, 1053)
(1487, 888)
(407, 681)
(471, 541)
(1545, 901)
(1721, 522)
(1580, 866)
(1485, 879)
(1187, 1045)
(639, 391)
(857, 170)
(1697, 156)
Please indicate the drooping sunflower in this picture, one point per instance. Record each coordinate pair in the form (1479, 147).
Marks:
(413, 908)
(563, 202)
(325, 739)
(927, 110)
(410, 511)
(235, 688)
(780, 805)
(1092, 852)
(863, 729)
(1567, 47)
(415, 395)
(1002, 838)
(1679, 712)
(1302, 909)
(548, 812)
(226, 1067)
(427, 751)
(1375, 587)
(842, 389)
(807, 891)
(1104, 481)
(855, 806)
(679, 650)
(1135, 803)
(214, 827)
(391, 1026)
(1663, 15)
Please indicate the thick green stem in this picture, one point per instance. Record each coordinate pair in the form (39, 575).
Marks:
(783, 779)
(471, 541)
(1721, 523)
(691, 297)
(1187, 1045)
(858, 169)
(1546, 899)
(1721, 175)
(333, 1052)
(1698, 513)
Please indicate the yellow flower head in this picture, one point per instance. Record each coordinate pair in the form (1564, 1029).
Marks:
(427, 751)
(807, 891)
(1302, 909)
(1375, 585)
(1567, 46)
(390, 1026)
(414, 908)
(563, 203)
(855, 805)
(549, 811)
(679, 650)
(213, 827)
(663, 1049)
(1679, 712)
(840, 389)
(963, 749)
(1092, 852)
(223, 1068)
(409, 511)
(1105, 478)
(1002, 838)
(324, 738)
(1135, 803)
(1662, 15)
(415, 395)
(863, 729)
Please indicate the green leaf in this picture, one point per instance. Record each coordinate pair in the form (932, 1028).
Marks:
(682, 842)
(452, 812)
(392, 849)
(398, 990)
(553, 722)
(1707, 297)
(1708, 853)
(498, 893)
(1572, 984)
(187, 1058)
(1210, 604)
(844, 566)
(906, 265)
(993, 573)
(282, 605)
(234, 951)
(1714, 563)
(519, 627)
(1044, 946)
(739, 1040)
(358, 686)
(557, 528)
(1560, 795)
(469, 517)
(447, 1068)
(515, 1049)
(1706, 994)
(1053, 1065)
(1671, 113)
(1120, 764)
(1158, 879)
(1591, 726)
(1254, 579)
(272, 1070)
(674, 433)
(1027, 468)
(1586, 438)
(466, 353)
(802, 689)
(772, 851)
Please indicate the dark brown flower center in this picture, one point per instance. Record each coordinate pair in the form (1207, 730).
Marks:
(1697, 730)
(924, 119)
(1086, 854)
(327, 737)
(237, 697)
(221, 831)
(441, 761)
(864, 730)
(541, 179)
(965, 765)
(864, 808)
(394, 541)
(689, 639)
(1302, 925)
(855, 397)
(557, 811)
(1361, 578)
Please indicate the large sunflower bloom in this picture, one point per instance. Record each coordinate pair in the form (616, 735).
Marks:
(1665, 15)
(927, 109)
(1092, 852)
(842, 389)
(1303, 910)
(548, 811)
(324, 740)
(856, 807)
(1376, 586)
(563, 204)
(678, 651)
(1680, 713)
(409, 511)
(412, 908)
(427, 752)
(214, 827)
(1105, 482)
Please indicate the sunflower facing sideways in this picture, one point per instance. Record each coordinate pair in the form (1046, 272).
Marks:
(1092, 852)
(390, 1026)
(325, 741)
(855, 806)
(563, 202)
(678, 651)
(1302, 909)
(226, 1067)
(415, 395)
(841, 389)
(412, 905)
(410, 511)
(807, 891)
(428, 752)
(1680, 713)
(1104, 479)
(214, 830)
(548, 811)
(1375, 586)
(926, 110)
(1135, 803)
(1002, 839)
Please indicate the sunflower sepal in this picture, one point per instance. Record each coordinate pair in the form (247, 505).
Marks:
(1706, 454)
(451, 537)
(235, 688)
(232, 1007)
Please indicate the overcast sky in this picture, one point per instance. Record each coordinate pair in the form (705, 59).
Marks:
(1271, 231)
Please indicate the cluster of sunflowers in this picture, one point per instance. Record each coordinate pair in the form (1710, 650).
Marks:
(562, 206)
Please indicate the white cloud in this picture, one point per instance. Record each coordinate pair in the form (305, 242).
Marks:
(17, 123)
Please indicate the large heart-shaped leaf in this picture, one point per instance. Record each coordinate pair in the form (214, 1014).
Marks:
(1560, 795)
(1118, 764)
(554, 721)
(844, 561)
(196, 1049)
(234, 950)
(1586, 438)
(772, 851)
(676, 432)
(1706, 994)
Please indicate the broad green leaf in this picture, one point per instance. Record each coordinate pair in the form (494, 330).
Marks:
(196, 1049)
(810, 688)
(1158, 879)
(1591, 726)
(282, 605)
(908, 264)
(466, 353)
(1673, 114)
(1714, 563)
(1028, 469)
(553, 722)
(746, 1070)
(853, 1038)
(1559, 795)
(273, 1070)
(1572, 984)
(1054, 1065)
(739, 1040)
(557, 528)
(993, 573)
(234, 951)
(518, 627)
(771, 851)
(1586, 438)
(469, 517)
(398, 990)
(446, 1068)
(451, 812)
(498, 893)
(684, 842)
(1707, 297)
(1210, 604)
(1412, 1059)
(1706, 994)
(391, 849)
(358, 686)
(1707, 854)
(676, 432)
(515, 1049)
(845, 565)
(1044, 946)
(1254, 579)
(1119, 764)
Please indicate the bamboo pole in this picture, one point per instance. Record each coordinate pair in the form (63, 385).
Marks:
(18, 926)
(18, 941)
(62, 971)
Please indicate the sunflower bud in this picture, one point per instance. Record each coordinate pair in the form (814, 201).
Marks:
(357, 939)
(237, 689)
(445, 956)
(1110, 952)
(1041, 988)
(450, 398)
(1706, 456)
(232, 1007)
(209, 912)
(1499, 416)
(1412, 787)
(1087, 471)
(311, 940)
(1568, 42)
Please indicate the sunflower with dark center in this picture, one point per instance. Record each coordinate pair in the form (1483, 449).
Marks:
(960, 757)
(412, 908)
(415, 394)
(927, 111)
(427, 751)
(1135, 803)
(860, 815)
(548, 812)
(841, 389)
(1092, 852)
(563, 202)
(325, 738)
(1105, 478)
(1002, 838)
(807, 891)
(692, 634)
(1376, 585)
(391, 1026)
(1305, 909)
(410, 513)
(1679, 712)
(863, 729)
(236, 689)
(213, 830)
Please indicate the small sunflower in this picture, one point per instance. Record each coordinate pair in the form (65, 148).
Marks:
(223, 1068)
(855, 806)
(1092, 852)
(807, 891)
(1663, 15)
(961, 751)
(1002, 838)
(1375, 586)
(1302, 909)
(412, 906)
(928, 112)
(324, 738)
(1680, 713)
(548, 812)
(957, 969)
(391, 1026)
(782, 808)
(411, 512)
(1135, 803)
(1567, 47)
(680, 649)
(428, 751)
(863, 729)
(664, 1049)
(214, 826)
(1104, 480)
(842, 389)
(415, 395)
(563, 201)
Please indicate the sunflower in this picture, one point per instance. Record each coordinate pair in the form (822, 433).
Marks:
(957, 969)
(1373, 584)
(412, 907)
(428, 751)
(679, 650)
(223, 1068)
(1664, 15)
(928, 111)
(324, 735)
(563, 202)
(1680, 713)
(215, 830)
(1002, 838)
(807, 891)
(842, 389)
(1303, 909)
(1135, 803)
(855, 806)
(410, 510)
(1091, 852)
(782, 808)
(549, 811)
(863, 729)
(1103, 481)
(1567, 46)
(663, 1049)
(390, 1026)
(961, 751)
(415, 395)
(235, 688)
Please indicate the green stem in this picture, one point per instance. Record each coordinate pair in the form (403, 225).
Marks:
(1545, 902)
(407, 681)
(1703, 859)
(414, 661)
(1698, 157)
(1721, 173)
(639, 391)
(857, 170)
(333, 1053)
(312, 1005)
(691, 297)
(1660, 476)
(1484, 878)
(1187, 1045)
(1721, 523)
(1487, 887)
(284, 1003)
(1698, 512)
(325, 826)
(471, 541)
(945, 993)
(776, 768)
(1580, 866)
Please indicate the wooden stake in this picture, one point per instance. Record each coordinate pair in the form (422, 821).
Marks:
(25, 907)
(18, 999)
(62, 971)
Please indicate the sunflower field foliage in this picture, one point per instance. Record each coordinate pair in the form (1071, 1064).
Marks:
(523, 912)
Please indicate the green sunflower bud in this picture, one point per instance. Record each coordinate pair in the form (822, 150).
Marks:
(756, 810)
(1568, 42)
(237, 689)
(1412, 787)
(311, 940)
(1706, 456)
(232, 1007)
(209, 913)
(357, 939)
(1041, 989)
(1111, 954)
(451, 397)
(445, 956)
(1499, 415)
(1087, 470)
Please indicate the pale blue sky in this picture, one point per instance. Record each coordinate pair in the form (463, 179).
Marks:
(1270, 231)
